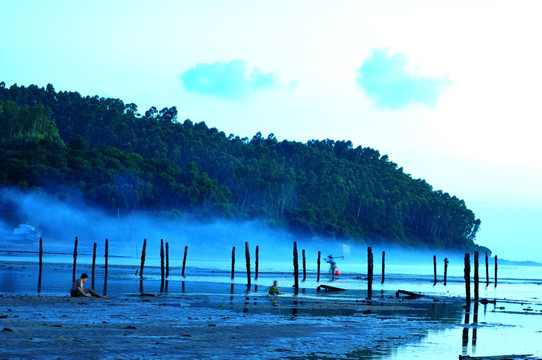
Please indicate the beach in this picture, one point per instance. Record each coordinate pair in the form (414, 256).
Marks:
(211, 317)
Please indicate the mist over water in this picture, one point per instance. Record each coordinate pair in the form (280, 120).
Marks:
(209, 243)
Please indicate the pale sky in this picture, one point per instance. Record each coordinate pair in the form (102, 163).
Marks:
(449, 90)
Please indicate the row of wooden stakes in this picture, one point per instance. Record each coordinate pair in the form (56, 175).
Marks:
(164, 266)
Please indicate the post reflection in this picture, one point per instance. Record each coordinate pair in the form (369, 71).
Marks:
(294, 308)
(475, 323)
(474, 326)
(465, 337)
(245, 308)
(247, 299)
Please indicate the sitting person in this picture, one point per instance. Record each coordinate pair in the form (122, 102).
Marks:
(77, 288)
(274, 290)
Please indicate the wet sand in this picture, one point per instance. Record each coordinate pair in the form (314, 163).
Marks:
(203, 327)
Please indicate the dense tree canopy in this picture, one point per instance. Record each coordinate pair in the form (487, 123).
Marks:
(118, 158)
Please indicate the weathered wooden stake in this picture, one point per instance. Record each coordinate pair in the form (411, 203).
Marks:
(434, 269)
(296, 270)
(93, 266)
(143, 253)
(162, 264)
(495, 270)
(106, 261)
(74, 259)
(383, 265)
(184, 259)
(369, 272)
(257, 262)
(467, 280)
(318, 267)
(445, 269)
(247, 260)
(304, 265)
(233, 262)
(476, 276)
(487, 270)
(167, 260)
(41, 265)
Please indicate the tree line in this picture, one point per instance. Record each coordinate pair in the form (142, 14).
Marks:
(120, 159)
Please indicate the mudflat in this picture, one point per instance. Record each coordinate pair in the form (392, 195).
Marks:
(205, 327)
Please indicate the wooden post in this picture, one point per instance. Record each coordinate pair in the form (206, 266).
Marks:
(167, 259)
(247, 260)
(162, 264)
(467, 280)
(487, 270)
(369, 272)
(445, 269)
(318, 267)
(383, 265)
(304, 265)
(296, 270)
(41, 264)
(233, 262)
(495, 270)
(257, 262)
(74, 259)
(106, 261)
(93, 266)
(434, 269)
(184, 259)
(476, 276)
(143, 253)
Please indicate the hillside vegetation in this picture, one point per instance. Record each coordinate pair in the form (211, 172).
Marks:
(120, 159)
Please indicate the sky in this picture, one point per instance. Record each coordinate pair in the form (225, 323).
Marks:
(449, 90)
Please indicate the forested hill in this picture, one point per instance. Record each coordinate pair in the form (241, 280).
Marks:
(119, 159)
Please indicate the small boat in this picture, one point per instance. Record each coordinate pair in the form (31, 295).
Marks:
(24, 234)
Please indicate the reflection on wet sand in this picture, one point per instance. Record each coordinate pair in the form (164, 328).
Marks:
(256, 291)
(465, 336)
(247, 299)
(475, 323)
(474, 326)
